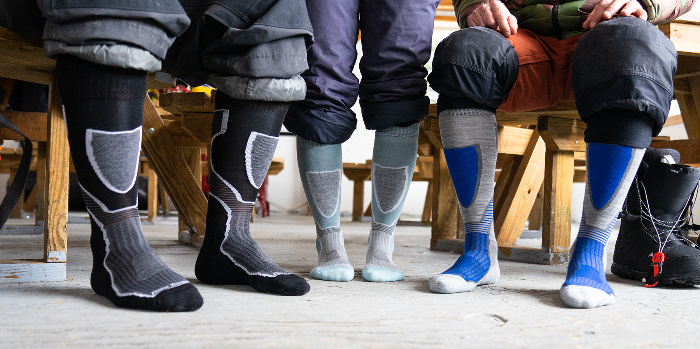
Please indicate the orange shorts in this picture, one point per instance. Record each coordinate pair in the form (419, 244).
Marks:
(544, 78)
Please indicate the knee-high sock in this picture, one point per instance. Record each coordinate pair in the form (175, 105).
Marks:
(104, 109)
(470, 140)
(610, 170)
(393, 163)
(320, 168)
(244, 138)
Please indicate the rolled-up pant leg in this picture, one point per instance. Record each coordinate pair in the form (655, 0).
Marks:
(120, 33)
(248, 49)
(396, 44)
(622, 78)
(325, 116)
(473, 68)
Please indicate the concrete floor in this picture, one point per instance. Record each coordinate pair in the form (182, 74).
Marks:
(522, 310)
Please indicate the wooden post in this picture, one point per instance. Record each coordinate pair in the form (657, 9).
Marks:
(444, 224)
(358, 196)
(535, 218)
(558, 182)
(57, 166)
(152, 193)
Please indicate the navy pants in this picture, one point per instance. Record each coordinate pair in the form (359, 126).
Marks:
(621, 76)
(396, 42)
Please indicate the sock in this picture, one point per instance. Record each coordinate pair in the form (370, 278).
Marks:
(470, 140)
(609, 174)
(244, 138)
(104, 110)
(320, 168)
(393, 163)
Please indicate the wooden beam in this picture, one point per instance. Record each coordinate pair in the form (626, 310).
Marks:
(23, 58)
(33, 125)
(172, 171)
(510, 221)
(193, 102)
(685, 37)
(57, 165)
(562, 134)
(445, 212)
(688, 148)
(558, 184)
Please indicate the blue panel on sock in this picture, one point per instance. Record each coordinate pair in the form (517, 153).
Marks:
(464, 169)
(606, 166)
(586, 266)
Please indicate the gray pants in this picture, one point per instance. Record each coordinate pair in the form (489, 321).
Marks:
(254, 49)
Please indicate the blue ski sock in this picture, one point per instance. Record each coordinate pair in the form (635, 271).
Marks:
(470, 140)
(610, 171)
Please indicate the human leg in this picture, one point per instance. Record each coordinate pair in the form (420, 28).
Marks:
(396, 44)
(104, 109)
(322, 122)
(470, 139)
(254, 93)
(625, 102)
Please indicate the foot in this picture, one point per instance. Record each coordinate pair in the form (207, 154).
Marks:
(585, 285)
(127, 271)
(478, 265)
(380, 267)
(333, 264)
(234, 258)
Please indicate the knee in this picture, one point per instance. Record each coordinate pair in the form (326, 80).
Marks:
(320, 126)
(624, 63)
(476, 63)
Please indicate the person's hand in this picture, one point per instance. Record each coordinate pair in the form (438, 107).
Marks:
(493, 14)
(606, 9)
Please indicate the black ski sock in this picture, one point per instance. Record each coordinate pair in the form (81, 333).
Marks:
(104, 109)
(244, 138)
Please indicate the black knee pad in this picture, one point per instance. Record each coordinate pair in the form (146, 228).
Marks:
(624, 63)
(476, 65)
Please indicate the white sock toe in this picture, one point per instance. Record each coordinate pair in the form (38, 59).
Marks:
(447, 283)
(585, 297)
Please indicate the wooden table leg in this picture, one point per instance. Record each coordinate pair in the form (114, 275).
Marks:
(57, 168)
(445, 212)
(358, 196)
(558, 184)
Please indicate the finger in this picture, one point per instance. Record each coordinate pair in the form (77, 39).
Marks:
(596, 16)
(614, 7)
(475, 20)
(513, 22)
(634, 9)
(501, 18)
(487, 17)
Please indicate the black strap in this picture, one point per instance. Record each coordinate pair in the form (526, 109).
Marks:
(17, 187)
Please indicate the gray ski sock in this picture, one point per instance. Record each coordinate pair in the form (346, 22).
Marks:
(393, 163)
(320, 168)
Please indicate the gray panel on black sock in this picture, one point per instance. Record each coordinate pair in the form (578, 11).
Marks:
(114, 157)
(389, 186)
(461, 128)
(325, 191)
(133, 266)
(258, 156)
(238, 245)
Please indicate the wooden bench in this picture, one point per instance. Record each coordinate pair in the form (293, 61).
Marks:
(22, 58)
(553, 159)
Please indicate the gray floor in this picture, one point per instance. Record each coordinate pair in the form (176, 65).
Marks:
(522, 310)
